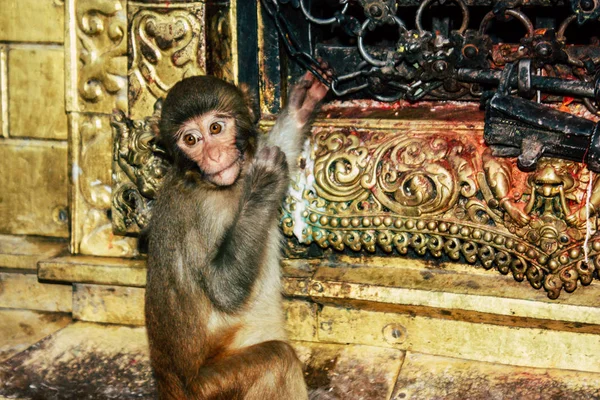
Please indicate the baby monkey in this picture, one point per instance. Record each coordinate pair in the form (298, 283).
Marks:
(213, 297)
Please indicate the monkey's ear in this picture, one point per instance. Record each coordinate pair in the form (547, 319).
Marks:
(251, 102)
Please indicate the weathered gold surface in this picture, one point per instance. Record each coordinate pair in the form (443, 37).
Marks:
(33, 182)
(90, 165)
(3, 91)
(32, 21)
(409, 282)
(36, 90)
(222, 42)
(167, 44)
(528, 347)
(97, 270)
(441, 193)
(429, 377)
(112, 304)
(349, 372)
(23, 252)
(23, 291)
(20, 329)
(301, 319)
(96, 60)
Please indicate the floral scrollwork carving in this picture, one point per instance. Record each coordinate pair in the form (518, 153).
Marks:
(445, 194)
(101, 81)
(140, 166)
(166, 45)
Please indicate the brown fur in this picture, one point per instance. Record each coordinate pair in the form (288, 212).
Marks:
(213, 301)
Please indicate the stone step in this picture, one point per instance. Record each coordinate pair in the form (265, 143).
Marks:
(447, 310)
(94, 361)
(23, 252)
(457, 288)
(20, 329)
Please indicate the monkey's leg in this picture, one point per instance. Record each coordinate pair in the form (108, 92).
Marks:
(268, 370)
(168, 385)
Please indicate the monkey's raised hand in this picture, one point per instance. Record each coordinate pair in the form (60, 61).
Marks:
(305, 96)
(268, 177)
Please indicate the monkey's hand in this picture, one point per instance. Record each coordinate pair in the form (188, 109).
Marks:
(269, 176)
(307, 94)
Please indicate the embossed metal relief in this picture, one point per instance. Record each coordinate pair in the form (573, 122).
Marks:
(90, 164)
(141, 168)
(444, 195)
(97, 56)
(166, 45)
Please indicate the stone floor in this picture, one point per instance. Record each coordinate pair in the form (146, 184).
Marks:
(47, 356)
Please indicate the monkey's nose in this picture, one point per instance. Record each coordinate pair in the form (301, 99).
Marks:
(214, 154)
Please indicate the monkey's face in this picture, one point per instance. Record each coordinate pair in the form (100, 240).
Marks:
(209, 140)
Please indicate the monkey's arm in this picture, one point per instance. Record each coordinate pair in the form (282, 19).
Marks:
(239, 256)
(293, 123)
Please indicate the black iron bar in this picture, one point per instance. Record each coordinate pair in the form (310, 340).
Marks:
(545, 84)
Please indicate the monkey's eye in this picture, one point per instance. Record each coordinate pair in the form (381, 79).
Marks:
(189, 139)
(216, 128)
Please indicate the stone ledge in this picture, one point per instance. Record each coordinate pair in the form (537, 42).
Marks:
(24, 252)
(453, 289)
(96, 270)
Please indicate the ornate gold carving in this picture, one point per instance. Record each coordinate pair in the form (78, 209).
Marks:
(140, 167)
(443, 193)
(221, 34)
(167, 44)
(97, 55)
(91, 231)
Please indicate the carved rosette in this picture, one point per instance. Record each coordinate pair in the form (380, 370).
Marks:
(443, 194)
(166, 45)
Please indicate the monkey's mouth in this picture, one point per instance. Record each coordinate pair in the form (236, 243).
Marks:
(226, 176)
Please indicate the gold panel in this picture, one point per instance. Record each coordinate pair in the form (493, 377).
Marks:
(23, 291)
(167, 44)
(3, 91)
(528, 347)
(32, 21)
(33, 199)
(96, 48)
(110, 304)
(36, 90)
(90, 165)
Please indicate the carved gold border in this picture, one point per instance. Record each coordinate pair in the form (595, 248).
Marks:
(96, 50)
(440, 193)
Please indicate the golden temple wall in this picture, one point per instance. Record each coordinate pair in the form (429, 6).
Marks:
(33, 123)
